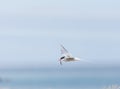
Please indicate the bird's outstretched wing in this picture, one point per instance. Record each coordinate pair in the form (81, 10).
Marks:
(65, 52)
(60, 62)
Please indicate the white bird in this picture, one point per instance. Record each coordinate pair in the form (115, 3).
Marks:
(66, 56)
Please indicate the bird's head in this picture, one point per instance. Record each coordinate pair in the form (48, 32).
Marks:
(62, 58)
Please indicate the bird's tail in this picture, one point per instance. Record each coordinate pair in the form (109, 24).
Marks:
(85, 60)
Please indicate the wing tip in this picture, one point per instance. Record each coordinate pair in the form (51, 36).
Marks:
(61, 45)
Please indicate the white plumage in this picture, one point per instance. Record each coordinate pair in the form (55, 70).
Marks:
(66, 56)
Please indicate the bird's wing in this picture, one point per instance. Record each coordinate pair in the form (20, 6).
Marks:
(60, 62)
(65, 52)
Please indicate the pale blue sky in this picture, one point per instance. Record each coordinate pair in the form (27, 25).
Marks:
(31, 31)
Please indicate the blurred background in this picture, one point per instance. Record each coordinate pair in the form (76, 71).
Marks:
(31, 32)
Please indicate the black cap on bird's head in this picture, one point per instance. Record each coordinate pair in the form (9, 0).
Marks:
(61, 59)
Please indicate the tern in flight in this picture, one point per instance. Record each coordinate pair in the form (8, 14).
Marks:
(66, 56)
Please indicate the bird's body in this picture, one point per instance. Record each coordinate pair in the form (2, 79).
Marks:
(66, 56)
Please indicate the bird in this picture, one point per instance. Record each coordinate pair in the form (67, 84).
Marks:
(66, 56)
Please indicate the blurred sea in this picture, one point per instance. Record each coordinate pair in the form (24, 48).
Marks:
(51, 78)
